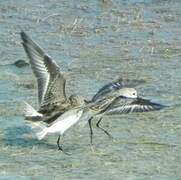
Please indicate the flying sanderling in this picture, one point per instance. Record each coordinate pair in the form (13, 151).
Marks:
(115, 98)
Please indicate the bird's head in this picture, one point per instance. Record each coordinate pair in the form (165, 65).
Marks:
(77, 100)
(128, 93)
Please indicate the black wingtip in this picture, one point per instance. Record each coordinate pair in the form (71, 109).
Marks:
(164, 106)
(157, 106)
(25, 38)
(22, 32)
(23, 35)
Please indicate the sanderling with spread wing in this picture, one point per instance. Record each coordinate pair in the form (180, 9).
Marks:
(52, 98)
(115, 98)
(60, 112)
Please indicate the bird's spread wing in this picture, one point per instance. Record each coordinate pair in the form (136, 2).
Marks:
(51, 83)
(107, 89)
(120, 83)
(121, 106)
(102, 105)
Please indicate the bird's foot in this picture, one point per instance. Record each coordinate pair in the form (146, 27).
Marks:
(60, 149)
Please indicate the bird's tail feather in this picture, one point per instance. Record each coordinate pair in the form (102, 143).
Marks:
(30, 112)
(39, 128)
(42, 133)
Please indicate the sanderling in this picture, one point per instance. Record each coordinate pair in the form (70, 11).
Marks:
(60, 112)
(58, 126)
(52, 98)
(51, 84)
(114, 98)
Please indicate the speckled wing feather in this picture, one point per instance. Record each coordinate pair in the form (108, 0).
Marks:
(107, 89)
(51, 83)
(113, 86)
(101, 105)
(124, 105)
(56, 87)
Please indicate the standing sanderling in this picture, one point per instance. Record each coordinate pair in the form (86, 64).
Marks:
(52, 98)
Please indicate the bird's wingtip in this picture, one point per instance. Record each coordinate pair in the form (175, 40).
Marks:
(22, 33)
(24, 36)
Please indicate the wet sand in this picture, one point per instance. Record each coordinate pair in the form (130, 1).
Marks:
(94, 42)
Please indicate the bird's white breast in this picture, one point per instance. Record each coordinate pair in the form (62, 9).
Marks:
(65, 121)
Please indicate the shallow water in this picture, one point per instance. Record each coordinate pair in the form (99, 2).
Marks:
(94, 42)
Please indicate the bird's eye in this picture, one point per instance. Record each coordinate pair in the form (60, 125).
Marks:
(134, 94)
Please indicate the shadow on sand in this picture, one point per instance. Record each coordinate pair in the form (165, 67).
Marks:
(15, 137)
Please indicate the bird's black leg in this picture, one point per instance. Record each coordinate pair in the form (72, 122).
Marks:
(58, 144)
(98, 125)
(91, 132)
(60, 147)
